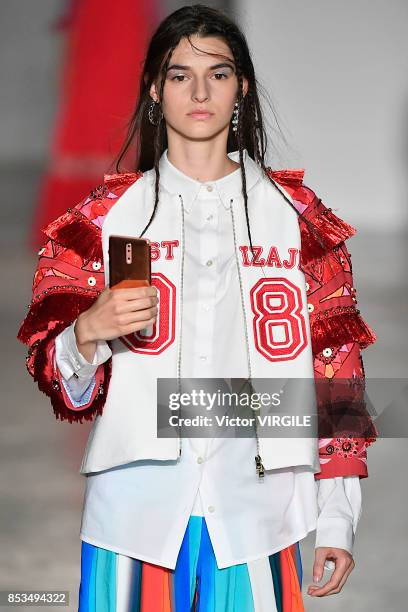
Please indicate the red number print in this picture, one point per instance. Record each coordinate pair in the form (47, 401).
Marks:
(279, 325)
(162, 334)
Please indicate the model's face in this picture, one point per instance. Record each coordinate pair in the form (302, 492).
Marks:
(197, 81)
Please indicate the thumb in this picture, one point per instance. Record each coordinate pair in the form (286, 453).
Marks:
(318, 566)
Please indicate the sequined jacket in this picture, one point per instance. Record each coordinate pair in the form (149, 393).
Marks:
(69, 276)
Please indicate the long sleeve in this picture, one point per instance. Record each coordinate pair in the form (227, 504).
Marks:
(339, 333)
(68, 279)
(78, 375)
(339, 504)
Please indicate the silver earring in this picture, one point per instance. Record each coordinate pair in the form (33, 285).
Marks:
(235, 117)
(151, 112)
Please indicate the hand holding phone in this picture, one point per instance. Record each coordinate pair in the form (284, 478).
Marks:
(118, 313)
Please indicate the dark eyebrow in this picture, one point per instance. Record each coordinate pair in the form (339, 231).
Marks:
(181, 67)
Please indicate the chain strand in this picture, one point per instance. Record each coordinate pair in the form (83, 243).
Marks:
(260, 470)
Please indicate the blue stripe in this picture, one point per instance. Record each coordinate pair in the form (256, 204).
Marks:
(97, 590)
(183, 587)
(299, 568)
(87, 561)
(105, 581)
(221, 590)
(274, 562)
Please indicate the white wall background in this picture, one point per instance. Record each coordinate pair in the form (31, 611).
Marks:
(337, 73)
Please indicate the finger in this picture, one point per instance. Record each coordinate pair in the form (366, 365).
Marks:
(137, 316)
(318, 566)
(130, 329)
(317, 591)
(131, 293)
(343, 580)
(334, 581)
(134, 305)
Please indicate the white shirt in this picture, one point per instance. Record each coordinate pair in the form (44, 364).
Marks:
(142, 509)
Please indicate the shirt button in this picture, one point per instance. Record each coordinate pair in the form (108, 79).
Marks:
(200, 459)
(211, 509)
(209, 217)
(209, 262)
(209, 187)
(203, 357)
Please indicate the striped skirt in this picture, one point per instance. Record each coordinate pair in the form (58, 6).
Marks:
(111, 582)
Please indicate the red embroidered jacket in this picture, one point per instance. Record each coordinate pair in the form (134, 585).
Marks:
(70, 276)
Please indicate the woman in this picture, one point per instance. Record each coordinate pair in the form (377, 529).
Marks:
(201, 523)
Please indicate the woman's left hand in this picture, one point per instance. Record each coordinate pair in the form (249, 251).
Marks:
(344, 564)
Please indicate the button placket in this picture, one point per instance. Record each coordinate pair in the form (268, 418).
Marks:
(206, 283)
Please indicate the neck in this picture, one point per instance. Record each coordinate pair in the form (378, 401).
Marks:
(201, 160)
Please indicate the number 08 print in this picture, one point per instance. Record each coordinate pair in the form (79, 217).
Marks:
(279, 326)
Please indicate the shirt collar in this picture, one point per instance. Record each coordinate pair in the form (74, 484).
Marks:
(227, 187)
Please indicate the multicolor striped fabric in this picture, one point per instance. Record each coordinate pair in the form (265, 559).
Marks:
(111, 582)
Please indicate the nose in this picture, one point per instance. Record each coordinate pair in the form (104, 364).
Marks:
(199, 93)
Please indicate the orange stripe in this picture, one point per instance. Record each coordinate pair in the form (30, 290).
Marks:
(155, 595)
(292, 600)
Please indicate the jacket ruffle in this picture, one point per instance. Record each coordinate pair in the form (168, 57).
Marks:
(113, 181)
(61, 304)
(43, 374)
(331, 229)
(338, 326)
(40, 328)
(75, 231)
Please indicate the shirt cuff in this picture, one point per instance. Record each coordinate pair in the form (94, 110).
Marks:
(339, 502)
(71, 362)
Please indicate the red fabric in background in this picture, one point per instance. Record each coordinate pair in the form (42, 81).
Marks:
(105, 47)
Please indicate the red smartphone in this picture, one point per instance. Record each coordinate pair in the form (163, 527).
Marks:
(129, 262)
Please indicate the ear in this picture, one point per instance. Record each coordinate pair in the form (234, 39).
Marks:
(153, 92)
(244, 86)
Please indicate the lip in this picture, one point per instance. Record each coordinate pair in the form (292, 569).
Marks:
(200, 114)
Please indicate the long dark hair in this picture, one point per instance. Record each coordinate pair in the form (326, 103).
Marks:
(150, 140)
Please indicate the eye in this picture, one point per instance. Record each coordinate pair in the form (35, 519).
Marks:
(178, 76)
(222, 74)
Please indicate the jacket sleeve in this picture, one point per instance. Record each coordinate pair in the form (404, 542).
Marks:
(339, 334)
(78, 374)
(68, 278)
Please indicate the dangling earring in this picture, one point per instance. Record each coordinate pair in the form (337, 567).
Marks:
(235, 117)
(151, 112)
